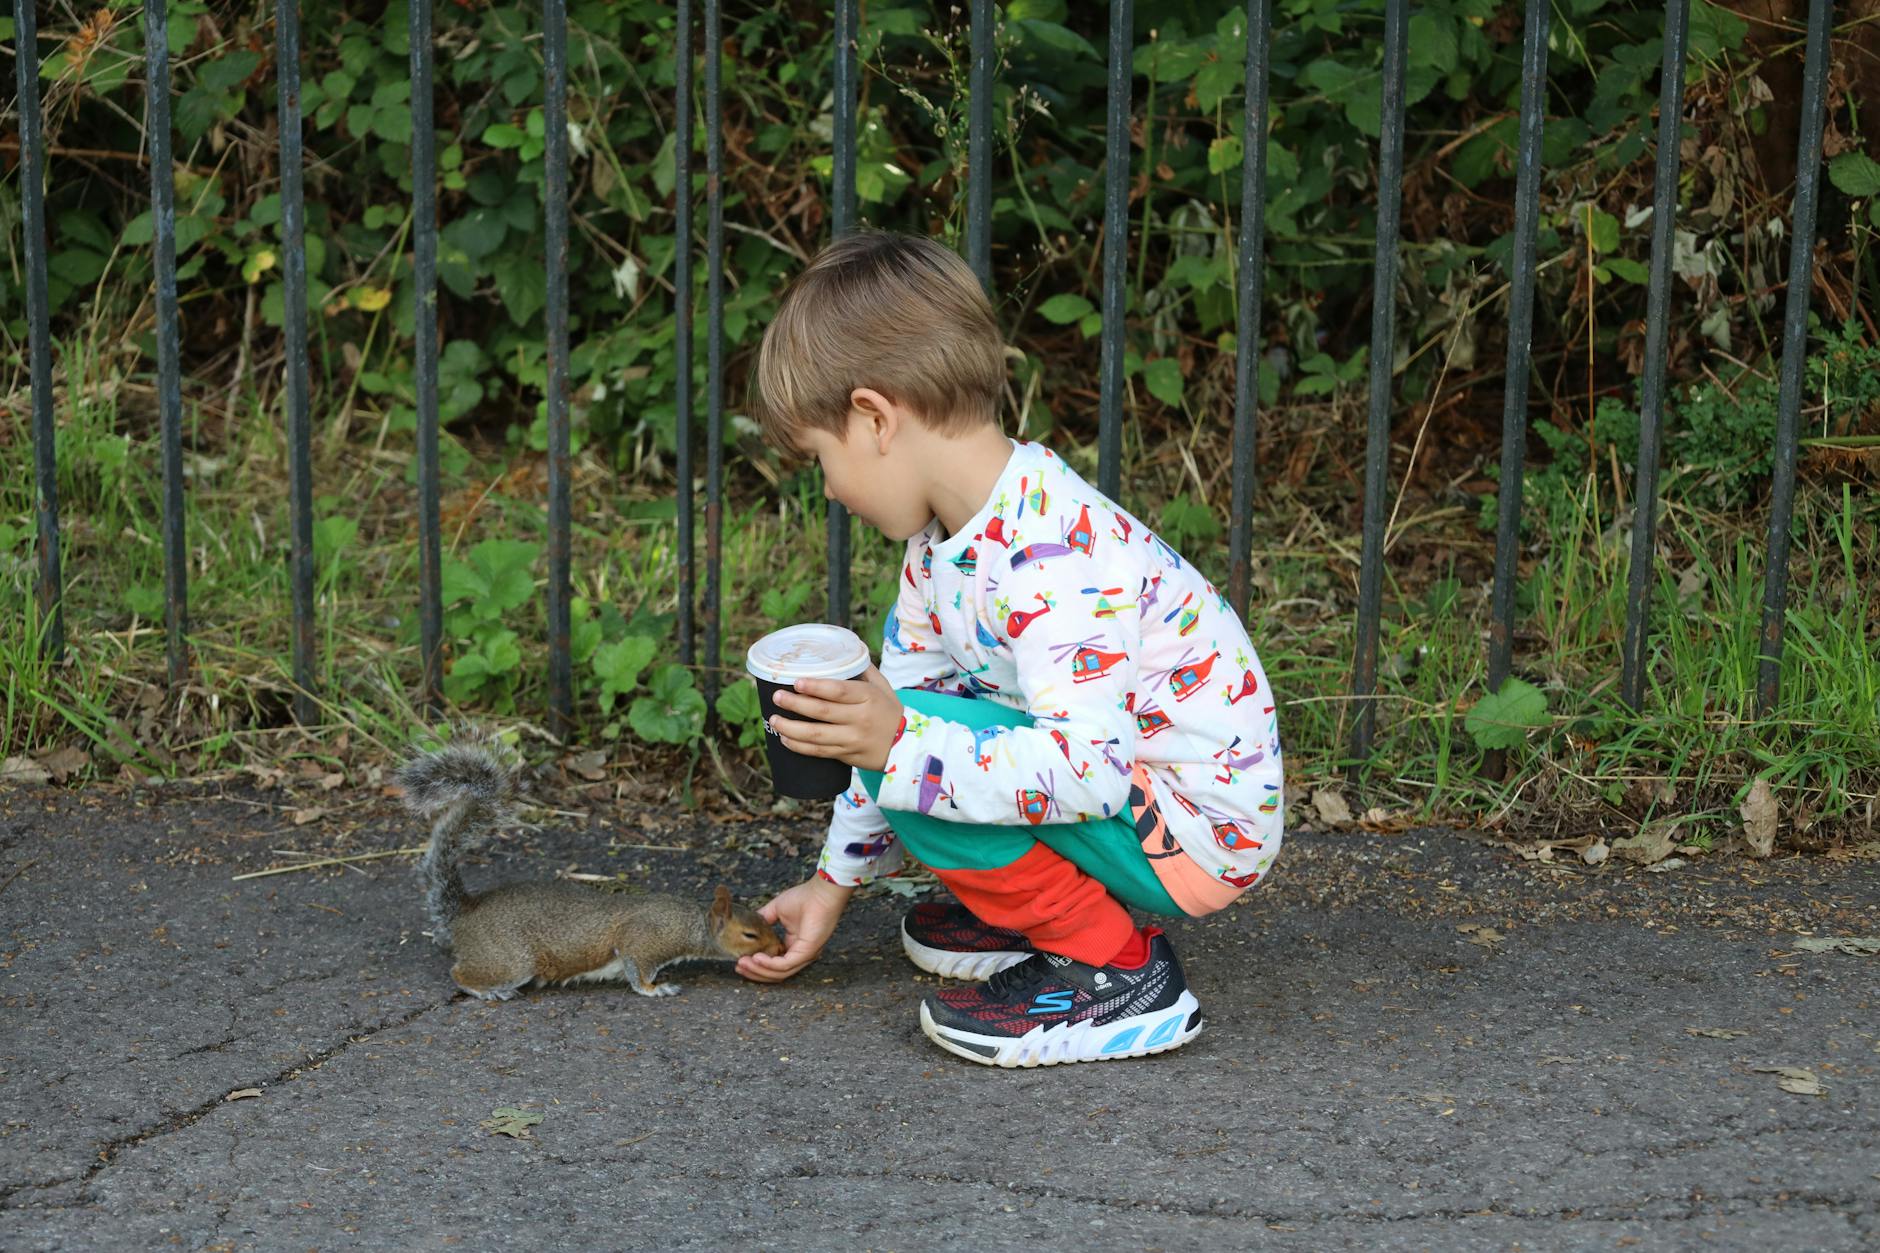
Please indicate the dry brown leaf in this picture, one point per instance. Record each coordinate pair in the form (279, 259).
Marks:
(1852, 945)
(591, 765)
(302, 817)
(1383, 822)
(1794, 1079)
(21, 770)
(1669, 863)
(1485, 937)
(330, 781)
(243, 1094)
(1331, 807)
(1760, 816)
(1653, 843)
(63, 763)
(1591, 849)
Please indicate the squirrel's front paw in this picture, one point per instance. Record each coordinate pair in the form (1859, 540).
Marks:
(658, 989)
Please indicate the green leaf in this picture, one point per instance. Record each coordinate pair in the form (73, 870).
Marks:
(1163, 377)
(1603, 229)
(1503, 719)
(1064, 308)
(1057, 38)
(227, 73)
(1224, 154)
(618, 666)
(503, 135)
(522, 282)
(1855, 173)
(1629, 270)
(673, 711)
(739, 707)
(1216, 81)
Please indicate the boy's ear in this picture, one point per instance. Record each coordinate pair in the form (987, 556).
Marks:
(881, 415)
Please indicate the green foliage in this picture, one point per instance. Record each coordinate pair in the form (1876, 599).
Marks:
(1503, 718)
(673, 709)
(739, 707)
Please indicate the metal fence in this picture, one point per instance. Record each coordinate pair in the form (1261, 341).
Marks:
(978, 247)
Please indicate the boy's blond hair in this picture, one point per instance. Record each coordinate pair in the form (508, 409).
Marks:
(901, 314)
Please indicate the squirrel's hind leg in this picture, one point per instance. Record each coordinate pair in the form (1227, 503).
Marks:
(487, 983)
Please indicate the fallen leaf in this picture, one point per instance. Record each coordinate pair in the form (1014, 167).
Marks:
(1852, 945)
(1716, 1033)
(1794, 1079)
(1485, 937)
(63, 763)
(1331, 806)
(330, 781)
(301, 817)
(1760, 816)
(23, 770)
(1653, 843)
(1382, 822)
(1591, 849)
(591, 765)
(514, 1123)
(1669, 863)
(242, 1094)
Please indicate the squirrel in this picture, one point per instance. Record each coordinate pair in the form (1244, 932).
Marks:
(550, 932)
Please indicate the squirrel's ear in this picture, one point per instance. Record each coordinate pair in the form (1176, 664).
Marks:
(721, 905)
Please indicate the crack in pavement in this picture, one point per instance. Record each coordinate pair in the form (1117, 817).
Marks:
(106, 1153)
(1624, 1212)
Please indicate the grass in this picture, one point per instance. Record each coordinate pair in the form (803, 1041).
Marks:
(1692, 750)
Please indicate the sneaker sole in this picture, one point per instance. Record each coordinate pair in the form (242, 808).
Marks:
(950, 964)
(1156, 1032)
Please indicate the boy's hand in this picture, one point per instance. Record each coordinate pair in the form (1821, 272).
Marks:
(809, 912)
(857, 720)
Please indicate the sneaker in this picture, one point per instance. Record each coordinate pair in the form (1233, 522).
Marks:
(1050, 1009)
(945, 938)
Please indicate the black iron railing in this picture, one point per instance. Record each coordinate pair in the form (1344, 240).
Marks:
(978, 247)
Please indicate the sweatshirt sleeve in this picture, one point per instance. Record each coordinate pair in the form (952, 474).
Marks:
(1076, 664)
(860, 847)
(912, 654)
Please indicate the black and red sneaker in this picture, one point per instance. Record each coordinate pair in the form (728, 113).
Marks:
(945, 938)
(1050, 1009)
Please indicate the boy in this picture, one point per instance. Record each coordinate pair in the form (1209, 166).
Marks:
(1068, 720)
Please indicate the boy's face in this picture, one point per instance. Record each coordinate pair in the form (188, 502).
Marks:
(869, 471)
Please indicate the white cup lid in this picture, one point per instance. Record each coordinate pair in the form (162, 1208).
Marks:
(812, 650)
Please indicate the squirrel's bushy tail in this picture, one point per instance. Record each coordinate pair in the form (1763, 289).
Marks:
(464, 790)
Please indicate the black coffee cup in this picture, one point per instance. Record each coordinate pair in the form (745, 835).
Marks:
(811, 650)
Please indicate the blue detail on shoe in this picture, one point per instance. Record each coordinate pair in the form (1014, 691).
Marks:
(1057, 1001)
(1164, 1033)
(1118, 1043)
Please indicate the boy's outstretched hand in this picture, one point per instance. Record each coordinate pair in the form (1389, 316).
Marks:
(809, 912)
(856, 720)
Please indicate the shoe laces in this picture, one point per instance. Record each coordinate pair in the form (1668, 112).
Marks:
(1017, 977)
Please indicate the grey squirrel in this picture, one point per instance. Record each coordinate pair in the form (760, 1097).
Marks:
(549, 932)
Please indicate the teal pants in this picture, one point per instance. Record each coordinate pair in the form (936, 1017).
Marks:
(1106, 849)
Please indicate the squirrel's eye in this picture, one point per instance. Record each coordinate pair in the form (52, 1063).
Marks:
(750, 935)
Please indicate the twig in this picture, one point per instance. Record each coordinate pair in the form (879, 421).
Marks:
(17, 873)
(325, 861)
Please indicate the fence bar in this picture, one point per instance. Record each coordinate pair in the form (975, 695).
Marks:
(842, 222)
(1377, 449)
(424, 325)
(38, 331)
(682, 334)
(294, 290)
(979, 147)
(1514, 415)
(1657, 325)
(1794, 352)
(1115, 247)
(169, 382)
(714, 341)
(555, 166)
(1252, 262)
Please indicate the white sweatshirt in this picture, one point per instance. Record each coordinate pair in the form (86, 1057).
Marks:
(1054, 601)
